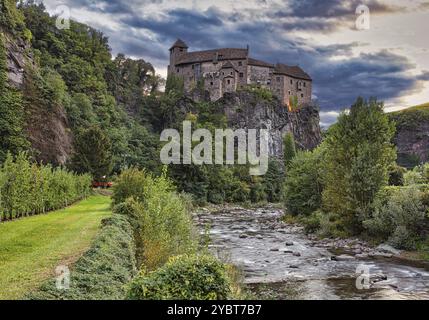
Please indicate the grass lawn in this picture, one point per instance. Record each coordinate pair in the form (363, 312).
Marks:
(31, 248)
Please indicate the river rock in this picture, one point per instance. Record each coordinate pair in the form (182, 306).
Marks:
(274, 249)
(243, 236)
(289, 244)
(259, 237)
(293, 266)
(296, 254)
(385, 248)
(344, 257)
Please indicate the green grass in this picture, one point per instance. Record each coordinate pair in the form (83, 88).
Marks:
(31, 248)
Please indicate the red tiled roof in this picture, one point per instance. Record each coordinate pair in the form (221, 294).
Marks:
(293, 71)
(210, 55)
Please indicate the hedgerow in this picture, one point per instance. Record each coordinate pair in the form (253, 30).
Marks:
(186, 277)
(28, 189)
(102, 272)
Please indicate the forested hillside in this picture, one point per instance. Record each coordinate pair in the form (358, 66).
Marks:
(70, 84)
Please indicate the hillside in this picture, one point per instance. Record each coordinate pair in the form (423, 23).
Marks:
(412, 135)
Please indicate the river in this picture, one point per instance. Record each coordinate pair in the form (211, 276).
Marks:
(278, 261)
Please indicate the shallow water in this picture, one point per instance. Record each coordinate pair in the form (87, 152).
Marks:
(278, 261)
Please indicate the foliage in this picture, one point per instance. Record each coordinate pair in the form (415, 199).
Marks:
(273, 181)
(164, 223)
(104, 270)
(400, 217)
(303, 185)
(289, 148)
(175, 85)
(358, 155)
(92, 153)
(396, 175)
(11, 113)
(185, 277)
(28, 189)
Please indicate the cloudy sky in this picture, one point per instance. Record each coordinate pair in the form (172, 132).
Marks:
(390, 60)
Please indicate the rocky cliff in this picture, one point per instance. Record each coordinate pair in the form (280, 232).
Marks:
(412, 135)
(248, 110)
(47, 129)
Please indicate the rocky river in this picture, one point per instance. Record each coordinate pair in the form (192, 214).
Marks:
(279, 261)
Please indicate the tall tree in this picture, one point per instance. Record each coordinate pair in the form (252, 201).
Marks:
(358, 156)
(92, 153)
(289, 148)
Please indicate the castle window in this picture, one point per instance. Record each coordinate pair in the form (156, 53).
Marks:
(291, 81)
(289, 92)
(178, 70)
(229, 81)
(240, 63)
(192, 67)
(231, 73)
(305, 84)
(278, 79)
(269, 81)
(211, 83)
(302, 95)
(241, 74)
(181, 50)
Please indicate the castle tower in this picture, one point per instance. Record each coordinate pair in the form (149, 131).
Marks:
(178, 49)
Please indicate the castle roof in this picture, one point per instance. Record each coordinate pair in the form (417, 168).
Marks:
(293, 71)
(228, 65)
(210, 55)
(259, 63)
(179, 44)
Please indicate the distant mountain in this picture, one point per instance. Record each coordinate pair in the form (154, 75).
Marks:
(412, 135)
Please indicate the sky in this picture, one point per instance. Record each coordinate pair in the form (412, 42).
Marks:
(382, 51)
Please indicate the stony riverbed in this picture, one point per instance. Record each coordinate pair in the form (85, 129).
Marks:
(279, 261)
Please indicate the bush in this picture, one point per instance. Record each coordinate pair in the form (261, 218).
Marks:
(162, 216)
(185, 277)
(129, 184)
(28, 189)
(103, 271)
(400, 217)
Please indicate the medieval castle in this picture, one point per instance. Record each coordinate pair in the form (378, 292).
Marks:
(226, 70)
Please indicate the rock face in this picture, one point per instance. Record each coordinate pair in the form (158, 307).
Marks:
(248, 111)
(412, 136)
(47, 130)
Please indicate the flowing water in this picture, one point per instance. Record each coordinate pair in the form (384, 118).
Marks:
(279, 261)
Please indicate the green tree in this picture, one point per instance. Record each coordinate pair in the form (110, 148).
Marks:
(289, 148)
(358, 156)
(303, 184)
(273, 181)
(92, 153)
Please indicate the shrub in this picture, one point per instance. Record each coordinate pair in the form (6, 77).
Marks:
(103, 271)
(161, 215)
(129, 184)
(399, 216)
(185, 277)
(396, 175)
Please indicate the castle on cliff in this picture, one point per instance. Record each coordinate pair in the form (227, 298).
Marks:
(228, 69)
